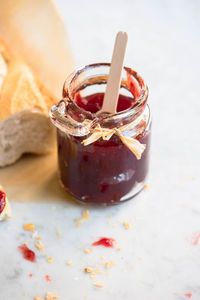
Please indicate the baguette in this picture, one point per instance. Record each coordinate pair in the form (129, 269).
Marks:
(25, 126)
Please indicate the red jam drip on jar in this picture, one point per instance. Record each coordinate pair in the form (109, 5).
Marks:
(27, 253)
(104, 171)
(2, 200)
(106, 242)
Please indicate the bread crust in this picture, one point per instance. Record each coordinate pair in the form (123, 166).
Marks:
(25, 125)
(37, 34)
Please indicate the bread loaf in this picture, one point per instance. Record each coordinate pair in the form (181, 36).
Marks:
(24, 104)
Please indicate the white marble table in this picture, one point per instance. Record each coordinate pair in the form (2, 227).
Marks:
(157, 260)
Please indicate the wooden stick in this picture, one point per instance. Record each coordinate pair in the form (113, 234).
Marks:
(114, 79)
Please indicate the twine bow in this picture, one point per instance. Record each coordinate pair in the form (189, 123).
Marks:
(132, 143)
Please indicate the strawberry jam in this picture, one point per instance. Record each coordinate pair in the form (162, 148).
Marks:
(104, 171)
(2, 200)
(105, 242)
(27, 253)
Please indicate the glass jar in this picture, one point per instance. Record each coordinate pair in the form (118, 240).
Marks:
(98, 156)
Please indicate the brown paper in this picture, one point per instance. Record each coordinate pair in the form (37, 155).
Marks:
(37, 34)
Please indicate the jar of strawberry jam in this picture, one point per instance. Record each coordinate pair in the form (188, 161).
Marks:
(103, 158)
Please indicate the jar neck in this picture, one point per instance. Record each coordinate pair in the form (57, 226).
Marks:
(68, 116)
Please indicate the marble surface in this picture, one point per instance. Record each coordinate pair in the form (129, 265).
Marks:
(158, 258)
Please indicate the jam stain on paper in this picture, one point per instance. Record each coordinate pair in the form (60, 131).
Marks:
(27, 253)
(106, 242)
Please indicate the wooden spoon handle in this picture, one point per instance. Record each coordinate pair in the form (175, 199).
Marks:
(114, 80)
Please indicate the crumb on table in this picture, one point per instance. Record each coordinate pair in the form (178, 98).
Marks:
(88, 250)
(49, 260)
(29, 227)
(88, 270)
(127, 225)
(69, 263)
(39, 246)
(51, 296)
(98, 284)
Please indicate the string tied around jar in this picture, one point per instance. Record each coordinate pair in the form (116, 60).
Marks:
(131, 143)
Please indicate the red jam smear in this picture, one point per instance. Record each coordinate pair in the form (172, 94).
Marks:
(27, 253)
(2, 200)
(48, 277)
(106, 242)
(188, 295)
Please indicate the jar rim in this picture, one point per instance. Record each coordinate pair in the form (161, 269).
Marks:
(136, 109)
(61, 119)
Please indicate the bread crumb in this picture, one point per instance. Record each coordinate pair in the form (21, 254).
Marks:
(109, 264)
(85, 297)
(85, 217)
(29, 227)
(25, 293)
(99, 271)
(98, 284)
(38, 238)
(69, 263)
(85, 213)
(140, 258)
(88, 250)
(39, 246)
(37, 298)
(49, 260)
(34, 234)
(58, 232)
(51, 296)
(146, 187)
(127, 225)
(93, 276)
(103, 257)
(94, 271)
(119, 249)
(88, 270)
